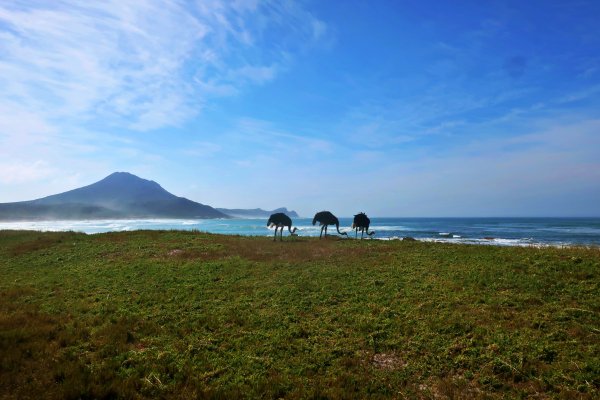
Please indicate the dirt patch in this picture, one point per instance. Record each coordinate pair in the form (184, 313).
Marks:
(388, 361)
(450, 387)
(175, 252)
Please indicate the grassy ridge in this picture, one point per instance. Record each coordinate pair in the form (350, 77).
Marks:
(194, 315)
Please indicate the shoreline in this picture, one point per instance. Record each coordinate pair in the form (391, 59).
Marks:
(505, 232)
(494, 242)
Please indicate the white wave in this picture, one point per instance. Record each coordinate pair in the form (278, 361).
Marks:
(384, 228)
(573, 230)
(525, 242)
(96, 226)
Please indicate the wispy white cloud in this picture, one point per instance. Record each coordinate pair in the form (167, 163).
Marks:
(129, 61)
(75, 60)
(254, 74)
(76, 74)
(202, 149)
(583, 94)
(553, 170)
(24, 172)
(276, 140)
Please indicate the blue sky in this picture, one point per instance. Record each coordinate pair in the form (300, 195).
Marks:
(395, 108)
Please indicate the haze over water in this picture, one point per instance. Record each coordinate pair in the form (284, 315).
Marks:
(492, 231)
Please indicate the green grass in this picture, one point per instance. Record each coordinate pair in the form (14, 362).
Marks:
(192, 315)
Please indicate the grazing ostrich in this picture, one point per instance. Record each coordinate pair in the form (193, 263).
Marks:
(362, 222)
(326, 218)
(280, 220)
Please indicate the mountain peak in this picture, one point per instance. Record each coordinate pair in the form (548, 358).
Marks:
(125, 177)
(118, 187)
(122, 174)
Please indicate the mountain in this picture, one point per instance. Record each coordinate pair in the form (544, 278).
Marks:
(119, 195)
(255, 212)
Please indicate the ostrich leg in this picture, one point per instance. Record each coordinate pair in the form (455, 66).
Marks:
(321, 235)
(275, 236)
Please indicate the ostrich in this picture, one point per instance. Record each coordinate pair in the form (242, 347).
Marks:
(362, 222)
(326, 218)
(280, 220)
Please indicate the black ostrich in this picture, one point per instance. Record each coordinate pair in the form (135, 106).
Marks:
(326, 218)
(280, 220)
(362, 222)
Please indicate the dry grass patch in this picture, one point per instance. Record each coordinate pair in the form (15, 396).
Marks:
(40, 241)
(29, 342)
(388, 361)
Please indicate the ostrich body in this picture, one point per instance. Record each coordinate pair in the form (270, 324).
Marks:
(361, 222)
(326, 218)
(280, 220)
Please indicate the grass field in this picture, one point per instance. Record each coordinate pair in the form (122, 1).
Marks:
(192, 315)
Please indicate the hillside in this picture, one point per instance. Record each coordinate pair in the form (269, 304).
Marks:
(187, 315)
(119, 195)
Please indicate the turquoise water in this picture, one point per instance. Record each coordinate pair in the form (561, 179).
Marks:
(494, 231)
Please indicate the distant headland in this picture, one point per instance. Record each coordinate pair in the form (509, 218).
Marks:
(120, 195)
(256, 212)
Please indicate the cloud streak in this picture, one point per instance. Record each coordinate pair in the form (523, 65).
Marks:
(142, 64)
(96, 60)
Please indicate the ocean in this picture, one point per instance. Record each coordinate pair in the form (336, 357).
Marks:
(488, 231)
